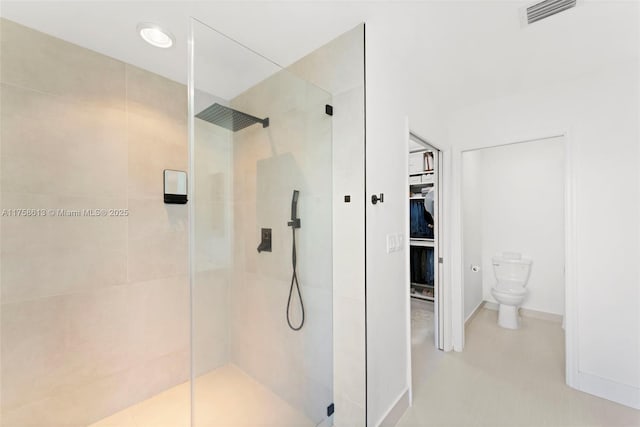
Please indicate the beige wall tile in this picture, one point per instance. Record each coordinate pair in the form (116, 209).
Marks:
(81, 337)
(279, 93)
(213, 225)
(42, 272)
(155, 144)
(56, 345)
(93, 401)
(160, 320)
(20, 231)
(337, 66)
(52, 146)
(293, 153)
(211, 320)
(150, 217)
(162, 255)
(35, 60)
(32, 349)
(157, 140)
(349, 340)
(213, 162)
(348, 144)
(156, 97)
(97, 347)
(54, 255)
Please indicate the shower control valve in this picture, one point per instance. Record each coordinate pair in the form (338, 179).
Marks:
(265, 240)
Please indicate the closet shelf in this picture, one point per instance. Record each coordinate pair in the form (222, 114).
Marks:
(421, 285)
(423, 297)
(422, 186)
(422, 242)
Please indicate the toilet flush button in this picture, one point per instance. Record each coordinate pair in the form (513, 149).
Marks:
(475, 268)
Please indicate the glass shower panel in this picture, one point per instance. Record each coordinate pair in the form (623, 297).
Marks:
(260, 239)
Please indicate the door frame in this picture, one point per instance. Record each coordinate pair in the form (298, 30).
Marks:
(444, 314)
(570, 251)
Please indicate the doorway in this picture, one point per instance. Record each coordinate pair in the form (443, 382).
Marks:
(513, 205)
(425, 280)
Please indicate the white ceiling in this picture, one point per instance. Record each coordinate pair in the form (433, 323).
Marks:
(462, 52)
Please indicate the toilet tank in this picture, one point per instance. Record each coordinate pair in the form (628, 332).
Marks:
(510, 267)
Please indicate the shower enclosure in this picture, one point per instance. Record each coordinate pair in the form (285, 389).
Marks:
(218, 312)
(260, 157)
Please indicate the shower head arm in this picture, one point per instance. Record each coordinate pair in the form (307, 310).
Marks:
(230, 118)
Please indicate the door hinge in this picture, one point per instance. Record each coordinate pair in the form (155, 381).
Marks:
(440, 260)
(330, 410)
(328, 110)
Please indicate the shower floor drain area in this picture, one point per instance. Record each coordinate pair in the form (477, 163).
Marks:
(250, 404)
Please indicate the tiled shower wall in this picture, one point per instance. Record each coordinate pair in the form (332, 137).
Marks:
(213, 157)
(338, 67)
(323, 157)
(94, 309)
(294, 152)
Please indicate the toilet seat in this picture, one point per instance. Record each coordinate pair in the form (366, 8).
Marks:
(509, 296)
(510, 288)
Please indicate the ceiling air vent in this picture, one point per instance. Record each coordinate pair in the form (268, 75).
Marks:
(546, 8)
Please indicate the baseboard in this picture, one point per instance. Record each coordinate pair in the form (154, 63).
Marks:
(474, 313)
(623, 394)
(393, 415)
(535, 314)
(527, 312)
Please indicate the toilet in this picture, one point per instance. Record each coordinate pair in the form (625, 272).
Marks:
(512, 274)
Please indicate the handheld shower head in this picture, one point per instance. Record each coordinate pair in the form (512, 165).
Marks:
(295, 221)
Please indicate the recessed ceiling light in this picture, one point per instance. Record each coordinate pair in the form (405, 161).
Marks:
(155, 35)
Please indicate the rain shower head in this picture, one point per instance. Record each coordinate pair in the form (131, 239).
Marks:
(229, 118)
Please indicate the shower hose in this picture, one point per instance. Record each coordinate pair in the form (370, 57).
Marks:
(294, 283)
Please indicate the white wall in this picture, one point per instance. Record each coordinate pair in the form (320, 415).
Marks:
(388, 106)
(522, 202)
(472, 214)
(600, 112)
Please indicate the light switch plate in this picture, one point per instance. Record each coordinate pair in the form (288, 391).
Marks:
(391, 243)
(395, 242)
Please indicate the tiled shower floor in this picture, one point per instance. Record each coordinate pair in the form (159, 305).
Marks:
(226, 397)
